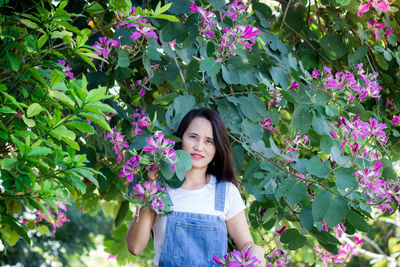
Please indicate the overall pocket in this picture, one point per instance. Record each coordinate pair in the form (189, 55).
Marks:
(196, 242)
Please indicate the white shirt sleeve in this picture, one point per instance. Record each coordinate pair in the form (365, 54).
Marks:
(234, 202)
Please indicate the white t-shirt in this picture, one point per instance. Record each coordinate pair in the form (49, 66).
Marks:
(197, 201)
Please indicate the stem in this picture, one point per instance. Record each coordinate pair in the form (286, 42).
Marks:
(318, 17)
(294, 213)
(180, 72)
(284, 16)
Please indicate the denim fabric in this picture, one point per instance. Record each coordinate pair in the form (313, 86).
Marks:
(192, 239)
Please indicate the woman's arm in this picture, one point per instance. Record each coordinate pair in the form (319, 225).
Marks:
(238, 230)
(139, 231)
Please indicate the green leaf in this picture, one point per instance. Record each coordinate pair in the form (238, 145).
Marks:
(339, 159)
(123, 58)
(95, 95)
(345, 180)
(333, 209)
(357, 221)
(40, 150)
(331, 111)
(179, 108)
(318, 168)
(320, 125)
(76, 182)
(302, 118)
(293, 238)
(8, 163)
(100, 107)
(43, 229)
(166, 169)
(292, 190)
(306, 218)
(29, 122)
(183, 164)
(30, 24)
(20, 229)
(211, 66)
(81, 125)
(98, 119)
(15, 61)
(61, 132)
(63, 98)
(333, 46)
(7, 110)
(326, 143)
(122, 212)
(325, 237)
(166, 17)
(33, 110)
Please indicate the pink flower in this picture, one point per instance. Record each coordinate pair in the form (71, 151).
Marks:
(128, 169)
(143, 30)
(111, 256)
(357, 240)
(378, 4)
(396, 120)
(280, 231)
(375, 26)
(333, 134)
(266, 124)
(103, 46)
(118, 140)
(389, 31)
(294, 85)
(19, 115)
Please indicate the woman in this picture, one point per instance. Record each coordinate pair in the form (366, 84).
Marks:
(206, 207)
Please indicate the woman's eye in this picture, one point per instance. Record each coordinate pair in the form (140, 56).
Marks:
(192, 137)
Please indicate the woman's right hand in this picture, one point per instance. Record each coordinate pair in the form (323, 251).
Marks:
(153, 174)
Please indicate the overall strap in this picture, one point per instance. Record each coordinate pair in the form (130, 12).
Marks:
(220, 189)
(163, 184)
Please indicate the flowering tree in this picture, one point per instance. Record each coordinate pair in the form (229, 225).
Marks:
(93, 92)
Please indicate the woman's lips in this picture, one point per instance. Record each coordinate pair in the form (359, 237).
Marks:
(196, 156)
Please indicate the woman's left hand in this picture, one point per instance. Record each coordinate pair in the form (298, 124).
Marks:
(258, 252)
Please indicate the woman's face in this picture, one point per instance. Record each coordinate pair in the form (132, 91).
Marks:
(198, 142)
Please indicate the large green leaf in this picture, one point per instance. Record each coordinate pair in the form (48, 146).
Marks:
(183, 164)
(333, 46)
(302, 118)
(332, 209)
(318, 168)
(345, 180)
(210, 65)
(357, 221)
(293, 238)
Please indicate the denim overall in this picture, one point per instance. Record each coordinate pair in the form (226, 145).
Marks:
(192, 239)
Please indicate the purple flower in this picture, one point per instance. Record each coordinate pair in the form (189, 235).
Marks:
(157, 205)
(294, 85)
(128, 169)
(280, 231)
(103, 46)
(266, 124)
(389, 31)
(118, 140)
(396, 120)
(147, 30)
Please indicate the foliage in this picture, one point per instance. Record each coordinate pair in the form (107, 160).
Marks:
(314, 133)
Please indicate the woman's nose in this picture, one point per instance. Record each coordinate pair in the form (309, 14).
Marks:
(198, 145)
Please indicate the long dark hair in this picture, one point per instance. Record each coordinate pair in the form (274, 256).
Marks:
(222, 165)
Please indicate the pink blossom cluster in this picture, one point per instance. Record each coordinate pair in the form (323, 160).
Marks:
(378, 4)
(57, 219)
(142, 85)
(344, 255)
(375, 26)
(67, 69)
(396, 120)
(364, 84)
(274, 97)
(119, 144)
(239, 35)
(207, 19)
(102, 47)
(139, 119)
(149, 193)
(236, 259)
(163, 145)
(245, 35)
(233, 11)
(276, 258)
(267, 124)
(130, 20)
(380, 190)
(129, 168)
(294, 145)
(350, 132)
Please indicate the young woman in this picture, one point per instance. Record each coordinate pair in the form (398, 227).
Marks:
(206, 208)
